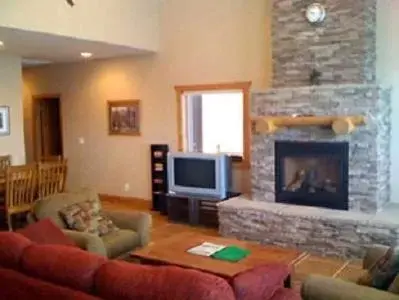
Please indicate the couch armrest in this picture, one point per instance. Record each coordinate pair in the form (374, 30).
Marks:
(30, 218)
(261, 282)
(86, 241)
(373, 254)
(325, 288)
(138, 221)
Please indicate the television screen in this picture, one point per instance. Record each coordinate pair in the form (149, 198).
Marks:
(194, 172)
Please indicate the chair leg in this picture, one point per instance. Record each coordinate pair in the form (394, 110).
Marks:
(9, 222)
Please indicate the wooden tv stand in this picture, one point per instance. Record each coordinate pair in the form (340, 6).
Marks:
(194, 210)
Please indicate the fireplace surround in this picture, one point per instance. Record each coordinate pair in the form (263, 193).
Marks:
(368, 146)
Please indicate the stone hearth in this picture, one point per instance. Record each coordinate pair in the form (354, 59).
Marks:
(321, 231)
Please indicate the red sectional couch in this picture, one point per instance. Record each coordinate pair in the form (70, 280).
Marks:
(32, 271)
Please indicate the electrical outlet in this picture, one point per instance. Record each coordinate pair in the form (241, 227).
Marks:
(126, 187)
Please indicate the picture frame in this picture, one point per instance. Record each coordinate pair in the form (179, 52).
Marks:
(4, 120)
(124, 117)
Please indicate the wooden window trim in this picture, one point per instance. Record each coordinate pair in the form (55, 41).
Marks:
(244, 87)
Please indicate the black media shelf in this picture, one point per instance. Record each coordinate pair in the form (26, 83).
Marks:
(196, 210)
(159, 176)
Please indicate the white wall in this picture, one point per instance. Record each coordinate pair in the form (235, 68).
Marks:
(388, 74)
(202, 42)
(133, 23)
(11, 95)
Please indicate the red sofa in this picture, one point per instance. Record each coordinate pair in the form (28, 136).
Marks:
(32, 271)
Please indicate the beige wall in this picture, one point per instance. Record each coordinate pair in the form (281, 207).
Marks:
(124, 22)
(202, 41)
(11, 95)
(388, 74)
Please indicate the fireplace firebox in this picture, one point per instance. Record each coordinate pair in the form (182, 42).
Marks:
(312, 173)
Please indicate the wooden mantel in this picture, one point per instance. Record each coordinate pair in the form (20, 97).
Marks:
(339, 124)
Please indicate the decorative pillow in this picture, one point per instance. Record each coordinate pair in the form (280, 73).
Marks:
(105, 225)
(86, 217)
(384, 271)
(46, 232)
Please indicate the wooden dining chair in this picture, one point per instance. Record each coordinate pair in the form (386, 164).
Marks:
(53, 158)
(20, 190)
(51, 177)
(5, 162)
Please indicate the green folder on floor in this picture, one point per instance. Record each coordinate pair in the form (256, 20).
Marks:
(231, 253)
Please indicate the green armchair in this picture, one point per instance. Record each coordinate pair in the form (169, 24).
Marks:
(134, 227)
(326, 288)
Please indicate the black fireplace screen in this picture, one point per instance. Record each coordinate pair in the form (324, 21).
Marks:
(312, 174)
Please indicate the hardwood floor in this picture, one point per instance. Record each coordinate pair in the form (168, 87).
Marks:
(306, 265)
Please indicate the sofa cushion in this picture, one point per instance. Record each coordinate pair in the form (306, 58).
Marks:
(12, 246)
(46, 232)
(131, 281)
(120, 242)
(286, 294)
(15, 285)
(384, 271)
(50, 206)
(63, 265)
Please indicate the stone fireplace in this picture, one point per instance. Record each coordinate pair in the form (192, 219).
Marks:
(368, 147)
(313, 189)
(342, 49)
(312, 174)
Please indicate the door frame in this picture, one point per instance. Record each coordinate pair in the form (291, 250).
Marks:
(35, 102)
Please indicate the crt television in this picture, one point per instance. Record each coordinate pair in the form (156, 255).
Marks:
(199, 174)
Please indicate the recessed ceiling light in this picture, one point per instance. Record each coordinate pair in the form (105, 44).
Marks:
(1, 44)
(86, 54)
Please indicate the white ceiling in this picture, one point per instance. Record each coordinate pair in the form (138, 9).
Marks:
(39, 48)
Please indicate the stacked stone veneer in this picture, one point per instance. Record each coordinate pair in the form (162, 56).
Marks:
(321, 231)
(342, 47)
(369, 146)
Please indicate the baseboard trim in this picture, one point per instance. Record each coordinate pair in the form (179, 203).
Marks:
(125, 200)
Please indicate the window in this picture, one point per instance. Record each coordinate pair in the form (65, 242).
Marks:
(214, 118)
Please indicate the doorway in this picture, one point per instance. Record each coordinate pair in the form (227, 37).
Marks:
(47, 127)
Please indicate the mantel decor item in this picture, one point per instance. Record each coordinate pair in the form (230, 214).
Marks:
(4, 120)
(315, 13)
(314, 77)
(124, 117)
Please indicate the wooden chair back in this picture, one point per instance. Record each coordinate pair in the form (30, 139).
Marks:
(20, 188)
(51, 177)
(54, 158)
(5, 162)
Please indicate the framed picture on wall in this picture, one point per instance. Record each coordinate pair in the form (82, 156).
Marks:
(124, 117)
(4, 120)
